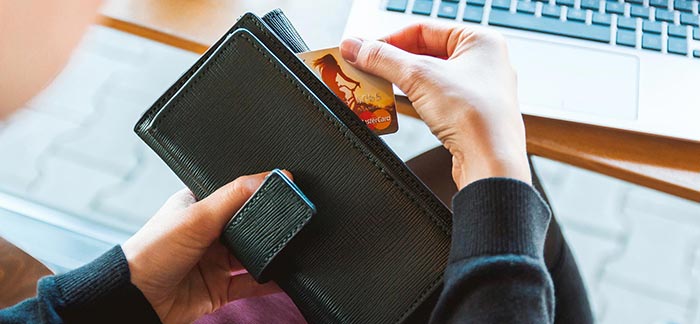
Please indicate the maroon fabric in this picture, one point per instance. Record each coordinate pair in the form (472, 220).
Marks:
(275, 308)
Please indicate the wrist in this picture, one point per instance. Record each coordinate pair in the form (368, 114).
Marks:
(468, 168)
(138, 267)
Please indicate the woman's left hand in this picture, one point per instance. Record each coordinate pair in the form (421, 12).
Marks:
(177, 261)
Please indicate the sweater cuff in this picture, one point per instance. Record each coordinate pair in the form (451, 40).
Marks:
(498, 216)
(102, 291)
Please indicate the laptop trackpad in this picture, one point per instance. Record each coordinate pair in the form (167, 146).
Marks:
(555, 77)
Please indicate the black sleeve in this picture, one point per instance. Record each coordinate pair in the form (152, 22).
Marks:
(99, 292)
(496, 271)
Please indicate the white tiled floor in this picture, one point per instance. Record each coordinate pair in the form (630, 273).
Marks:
(74, 151)
(637, 248)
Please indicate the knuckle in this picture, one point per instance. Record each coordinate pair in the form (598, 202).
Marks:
(421, 26)
(236, 188)
(498, 41)
(373, 55)
(496, 37)
(489, 37)
(415, 74)
(184, 197)
(211, 204)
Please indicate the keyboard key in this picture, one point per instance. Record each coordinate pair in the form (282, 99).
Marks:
(397, 5)
(651, 27)
(639, 2)
(576, 15)
(677, 46)
(626, 23)
(664, 15)
(689, 19)
(602, 19)
(626, 38)
(658, 3)
(696, 53)
(683, 5)
(473, 13)
(569, 3)
(448, 10)
(696, 33)
(615, 7)
(526, 7)
(550, 26)
(501, 4)
(651, 42)
(677, 31)
(423, 7)
(551, 11)
(455, 1)
(480, 3)
(639, 11)
(590, 4)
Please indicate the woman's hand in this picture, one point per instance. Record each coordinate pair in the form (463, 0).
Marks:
(463, 86)
(176, 259)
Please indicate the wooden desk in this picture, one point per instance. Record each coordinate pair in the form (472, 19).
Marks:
(669, 165)
(19, 273)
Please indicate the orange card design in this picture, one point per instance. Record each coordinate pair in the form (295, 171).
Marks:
(370, 97)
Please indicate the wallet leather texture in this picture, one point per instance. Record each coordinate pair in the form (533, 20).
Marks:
(377, 247)
(261, 230)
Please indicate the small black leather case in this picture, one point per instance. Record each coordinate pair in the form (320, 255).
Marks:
(260, 232)
(377, 247)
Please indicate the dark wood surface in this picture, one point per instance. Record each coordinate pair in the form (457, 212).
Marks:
(19, 273)
(665, 164)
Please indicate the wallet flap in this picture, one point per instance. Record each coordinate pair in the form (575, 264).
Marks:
(269, 220)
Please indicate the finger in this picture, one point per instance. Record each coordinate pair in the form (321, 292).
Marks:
(244, 286)
(213, 212)
(429, 39)
(385, 61)
(288, 174)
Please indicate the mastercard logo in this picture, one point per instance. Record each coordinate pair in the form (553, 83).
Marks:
(376, 120)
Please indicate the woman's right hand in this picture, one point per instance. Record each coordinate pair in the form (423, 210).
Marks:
(463, 86)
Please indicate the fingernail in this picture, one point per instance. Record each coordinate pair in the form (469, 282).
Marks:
(288, 174)
(349, 48)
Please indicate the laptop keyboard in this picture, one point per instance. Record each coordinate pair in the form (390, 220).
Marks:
(665, 26)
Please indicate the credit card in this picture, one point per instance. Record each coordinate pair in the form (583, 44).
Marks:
(368, 96)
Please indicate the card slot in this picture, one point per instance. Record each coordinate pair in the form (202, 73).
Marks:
(354, 123)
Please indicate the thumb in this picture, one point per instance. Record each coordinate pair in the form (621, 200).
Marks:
(212, 213)
(386, 61)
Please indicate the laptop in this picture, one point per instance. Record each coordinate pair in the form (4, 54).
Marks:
(632, 65)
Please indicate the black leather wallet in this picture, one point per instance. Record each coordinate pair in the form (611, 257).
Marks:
(377, 246)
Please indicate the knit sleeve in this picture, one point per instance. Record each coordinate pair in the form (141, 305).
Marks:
(99, 292)
(496, 271)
